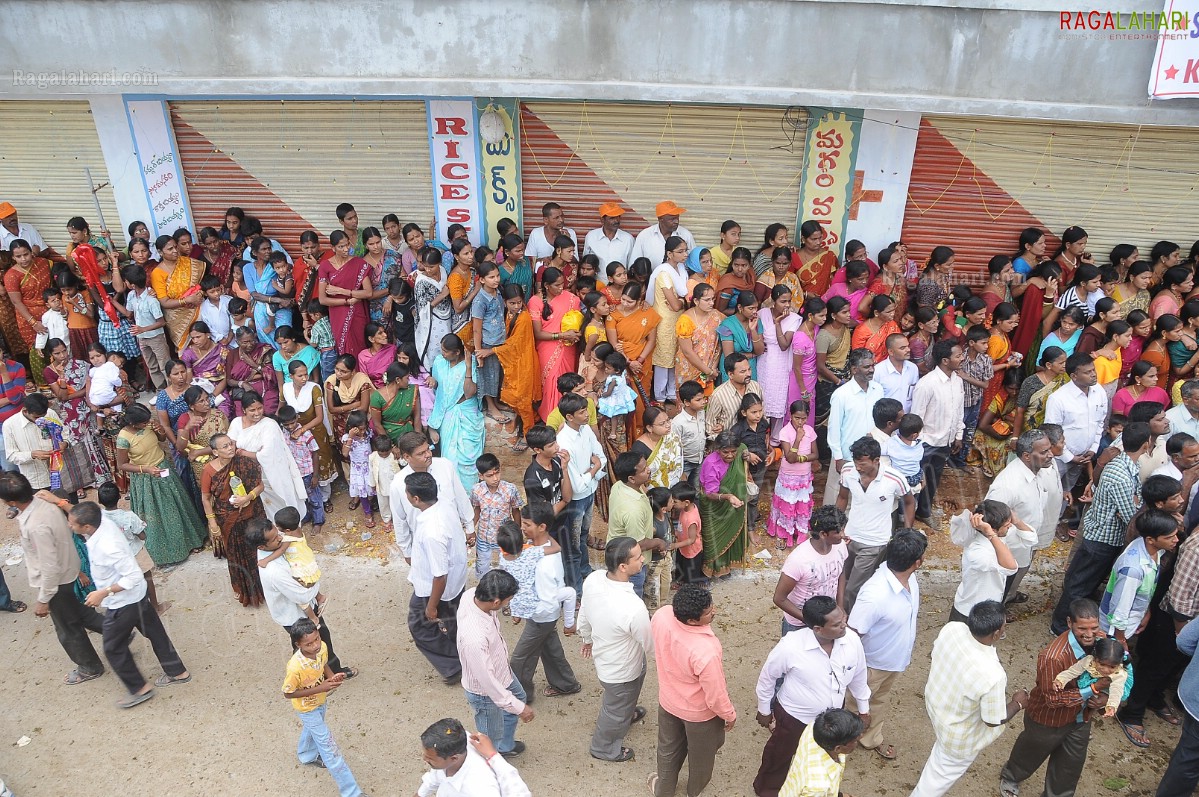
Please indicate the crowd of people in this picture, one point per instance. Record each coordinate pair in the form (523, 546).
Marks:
(690, 396)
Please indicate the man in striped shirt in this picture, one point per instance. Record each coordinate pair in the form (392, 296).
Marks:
(1057, 724)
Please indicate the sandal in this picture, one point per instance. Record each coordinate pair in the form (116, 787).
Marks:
(370, 523)
(328, 507)
(135, 700)
(76, 677)
(886, 751)
(1008, 788)
(349, 672)
(501, 420)
(1135, 733)
(652, 782)
(551, 691)
(639, 714)
(520, 446)
(1019, 597)
(167, 680)
(16, 607)
(354, 504)
(626, 754)
(1167, 715)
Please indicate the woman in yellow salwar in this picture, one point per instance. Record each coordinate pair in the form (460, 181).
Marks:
(176, 283)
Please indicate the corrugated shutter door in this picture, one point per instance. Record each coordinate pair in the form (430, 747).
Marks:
(719, 162)
(976, 183)
(291, 163)
(46, 147)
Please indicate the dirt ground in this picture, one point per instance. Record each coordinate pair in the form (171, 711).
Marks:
(230, 731)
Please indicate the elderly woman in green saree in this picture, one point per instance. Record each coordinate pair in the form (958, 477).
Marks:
(395, 407)
(722, 508)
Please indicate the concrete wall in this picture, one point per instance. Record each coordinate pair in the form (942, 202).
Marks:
(987, 57)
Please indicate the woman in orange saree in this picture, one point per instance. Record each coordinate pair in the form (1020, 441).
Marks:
(555, 348)
(633, 331)
(24, 283)
(1004, 321)
(521, 386)
(176, 283)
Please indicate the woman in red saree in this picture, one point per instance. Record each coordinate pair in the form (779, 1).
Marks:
(555, 348)
(889, 282)
(633, 331)
(812, 262)
(345, 286)
(1036, 307)
(219, 256)
(24, 283)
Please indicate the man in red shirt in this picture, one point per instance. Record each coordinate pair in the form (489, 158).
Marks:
(694, 709)
(1057, 725)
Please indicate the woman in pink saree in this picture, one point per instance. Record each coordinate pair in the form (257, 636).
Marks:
(345, 286)
(555, 348)
(803, 354)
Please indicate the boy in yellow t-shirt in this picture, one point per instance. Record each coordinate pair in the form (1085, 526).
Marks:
(307, 684)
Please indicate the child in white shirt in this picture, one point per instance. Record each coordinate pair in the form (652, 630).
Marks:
(906, 451)
(104, 381)
(383, 468)
(54, 320)
(214, 310)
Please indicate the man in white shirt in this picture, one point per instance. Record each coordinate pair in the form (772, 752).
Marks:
(940, 402)
(614, 626)
(1185, 417)
(286, 598)
(987, 562)
(651, 242)
(817, 664)
(851, 411)
(492, 690)
(414, 447)
(884, 616)
(608, 242)
(1182, 463)
(966, 697)
(26, 445)
(540, 244)
(121, 591)
(586, 468)
(872, 493)
(897, 374)
(460, 770)
(1020, 486)
(437, 575)
(11, 229)
(1080, 408)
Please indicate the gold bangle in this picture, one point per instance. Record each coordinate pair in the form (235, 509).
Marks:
(211, 517)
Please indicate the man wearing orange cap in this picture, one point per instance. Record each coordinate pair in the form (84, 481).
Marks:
(540, 245)
(608, 242)
(651, 242)
(11, 229)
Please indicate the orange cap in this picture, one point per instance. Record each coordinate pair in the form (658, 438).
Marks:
(6, 210)
(611, 209)
(668, 209)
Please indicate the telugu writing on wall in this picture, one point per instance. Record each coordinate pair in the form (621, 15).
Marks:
(455, 154)
(501, 165)
(829, 155)
(159, 166)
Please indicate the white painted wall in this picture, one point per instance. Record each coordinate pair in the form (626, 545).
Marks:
(885, 155)
(986, 57)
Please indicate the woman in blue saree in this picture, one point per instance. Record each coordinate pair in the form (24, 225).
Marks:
(261, 281)
(456, 421)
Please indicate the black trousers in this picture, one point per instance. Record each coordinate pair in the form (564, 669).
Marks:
(1157, 660)
(334, 662)
(119, 624)
(932, 465)
(1092, 564)
(72, 620)
(438, 641)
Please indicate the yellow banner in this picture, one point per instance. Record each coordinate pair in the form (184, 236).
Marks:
(829, 157)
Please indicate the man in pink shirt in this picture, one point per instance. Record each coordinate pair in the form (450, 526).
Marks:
(694, 709)
(815, 567)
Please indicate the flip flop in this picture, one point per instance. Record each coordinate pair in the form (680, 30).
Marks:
(349, 672)
(135, 700)
(1019, 597)
(166, 680)
(1135, 733)
(76, 677)
(1167, 715)
(354, 504)
(16, 607)
(626, 754)
(554, 692)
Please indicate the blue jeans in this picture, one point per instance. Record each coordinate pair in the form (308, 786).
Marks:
(483, 555)
(328, 360)
(5, 465)
(316, 503)
(638, 581)
(970, 418)
(316, 741)
(576, 562)
(493, 720)
(5, 598)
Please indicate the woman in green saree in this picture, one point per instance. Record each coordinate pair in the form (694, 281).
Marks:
(722, 506)
(395, 407)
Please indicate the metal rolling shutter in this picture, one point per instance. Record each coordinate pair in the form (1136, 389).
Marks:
(719, 162)
(977, 182)
(290, 163)
(46, 147)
